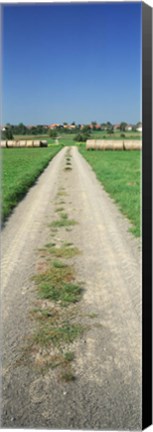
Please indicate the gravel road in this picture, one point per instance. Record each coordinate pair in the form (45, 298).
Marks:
(106, 393)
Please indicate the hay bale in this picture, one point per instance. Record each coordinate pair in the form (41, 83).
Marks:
(22, 143)
(118, 145)
(13, 143)
(90, 144)
(132, 144)
(3, 144)
(9, 143)
(29, 143)
(44, 143)
(109, 144)
(96, 145)
(100, 144)
(36, 143)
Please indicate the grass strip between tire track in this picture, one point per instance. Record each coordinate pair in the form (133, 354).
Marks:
(56, 314)
(119, 173)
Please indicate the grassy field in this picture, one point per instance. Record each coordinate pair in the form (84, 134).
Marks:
(119, 172)
(68, 138)
(20, 169)
(116, 135)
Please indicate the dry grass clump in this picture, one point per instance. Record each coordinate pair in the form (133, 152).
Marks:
(64, 221)
(63, 251)
(67, 168)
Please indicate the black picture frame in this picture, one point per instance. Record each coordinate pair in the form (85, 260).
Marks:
(147, 216)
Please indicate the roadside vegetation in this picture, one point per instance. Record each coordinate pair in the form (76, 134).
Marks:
(20, 169)
(78, 137)
(119, 172)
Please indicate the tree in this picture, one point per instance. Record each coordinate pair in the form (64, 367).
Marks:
(22, 129)
(109, 126)
(86, 128)
(7, 134)
(81, 137)
(123, 126)
(53, 133)
(94, 123)
(103, 126)
(110, 130)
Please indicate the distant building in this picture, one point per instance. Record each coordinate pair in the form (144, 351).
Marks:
(104, 127)
(139, 127)
(72, 126)
(116, 126)
(128, 128)
(53, 126)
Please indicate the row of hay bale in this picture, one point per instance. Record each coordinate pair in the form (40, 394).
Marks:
(113, 145)
(23, 143)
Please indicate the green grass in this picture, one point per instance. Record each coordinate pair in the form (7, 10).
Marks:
(20, 169)
(63, 221)
(59, 264)
(66, 293)
(57, 284)
(69, 356)
(57, 335)
(116, 135)
(67, 139)
(67, 168)
(119, 172)
(65, 252)
(59, 209)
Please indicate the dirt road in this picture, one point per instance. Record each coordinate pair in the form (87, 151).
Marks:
(106, 393)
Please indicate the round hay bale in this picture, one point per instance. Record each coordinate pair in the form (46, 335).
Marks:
(3, 144)
(137, 144)
(17, 143)
(29, 143)
(100, 144)
(90, 144)
(9, 143)
(97, 145)
(36, 143)
(44, 143)
(132, 144)
(109, 144)
(118, 145)
(22, 143)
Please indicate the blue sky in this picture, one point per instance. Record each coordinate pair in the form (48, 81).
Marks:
(74, 62)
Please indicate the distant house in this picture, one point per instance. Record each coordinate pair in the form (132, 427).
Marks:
(53, 126)
(139, 127)
(116, 126)
(95, 126)
(128, 128)
(104, 126)
(72, 126)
